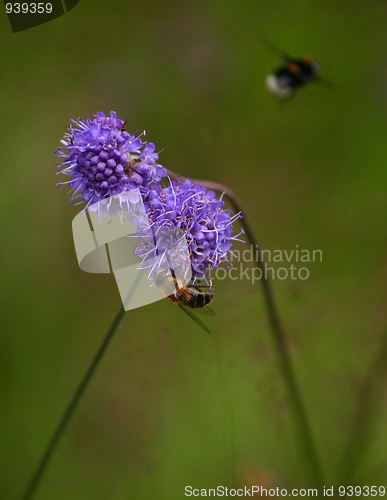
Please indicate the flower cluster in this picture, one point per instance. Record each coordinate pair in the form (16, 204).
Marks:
(199, 215)
(103, 159)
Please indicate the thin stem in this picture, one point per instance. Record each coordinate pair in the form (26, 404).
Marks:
(294, 393)
(62, 426)
(360, 432)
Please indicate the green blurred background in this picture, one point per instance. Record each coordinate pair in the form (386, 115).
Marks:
(170, 405)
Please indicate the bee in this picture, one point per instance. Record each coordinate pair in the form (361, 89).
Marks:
(294, 73)
(189, 298)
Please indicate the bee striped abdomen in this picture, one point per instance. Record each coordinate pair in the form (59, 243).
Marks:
(195, 298)
(190, 296)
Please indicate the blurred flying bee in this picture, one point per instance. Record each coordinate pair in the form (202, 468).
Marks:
(294, 73)
(189, 298)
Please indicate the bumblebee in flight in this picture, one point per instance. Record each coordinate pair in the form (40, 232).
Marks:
(189, 298)
(294, 73)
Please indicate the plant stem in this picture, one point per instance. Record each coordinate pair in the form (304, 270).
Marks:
(62, 426)
(365, 420)
(294, 393)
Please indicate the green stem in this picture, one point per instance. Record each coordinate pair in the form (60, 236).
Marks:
(364, 422)
(294, 393)
(62, 426)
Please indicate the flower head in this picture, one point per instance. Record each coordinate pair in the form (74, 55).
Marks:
(104, 162)
(198, 214)
(103, 159)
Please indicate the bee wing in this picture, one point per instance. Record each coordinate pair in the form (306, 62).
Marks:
(195, 318)
(205, 310)
(271, 46)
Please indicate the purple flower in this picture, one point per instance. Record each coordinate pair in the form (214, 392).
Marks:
(102, 159)
(198, 215)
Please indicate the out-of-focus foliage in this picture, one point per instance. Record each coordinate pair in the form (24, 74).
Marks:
(171, 406)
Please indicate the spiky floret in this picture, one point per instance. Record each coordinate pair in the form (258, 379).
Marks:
(199, 215)
(102, 159)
